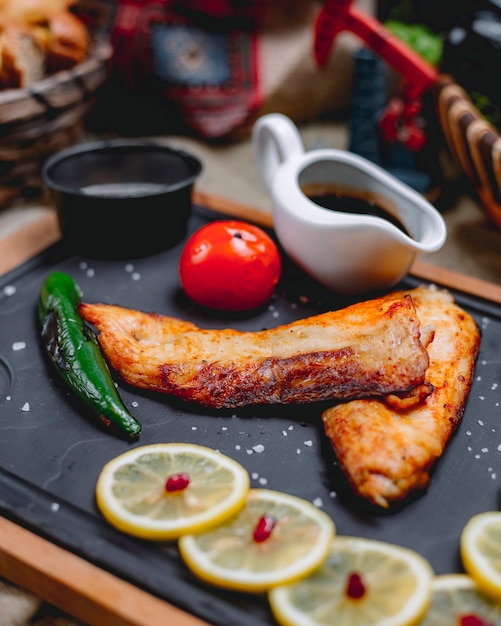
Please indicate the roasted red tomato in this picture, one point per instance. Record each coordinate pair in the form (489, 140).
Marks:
(230, 266)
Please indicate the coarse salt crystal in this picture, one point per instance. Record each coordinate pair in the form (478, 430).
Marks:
(318, 502)
(19, 345)
(258, 448)
(25, 407)
(9, 290)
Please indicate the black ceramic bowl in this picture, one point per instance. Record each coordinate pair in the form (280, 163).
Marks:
(121, 198)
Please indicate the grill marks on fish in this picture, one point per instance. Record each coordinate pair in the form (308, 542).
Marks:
(369, 348)
(386, 449)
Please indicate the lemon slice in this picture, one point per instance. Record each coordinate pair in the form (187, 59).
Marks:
(275, 538)
(481, 551)
(456, 601)
(363, 582)
(160, 491)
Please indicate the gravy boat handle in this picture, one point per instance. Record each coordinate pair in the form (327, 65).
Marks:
(275, 138)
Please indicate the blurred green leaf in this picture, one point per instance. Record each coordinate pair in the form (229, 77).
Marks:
(420, 38)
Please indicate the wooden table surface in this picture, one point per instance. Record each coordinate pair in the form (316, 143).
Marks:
(38, 235)
(71, 583)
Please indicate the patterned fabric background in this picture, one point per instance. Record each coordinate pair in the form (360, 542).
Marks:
(202, 56)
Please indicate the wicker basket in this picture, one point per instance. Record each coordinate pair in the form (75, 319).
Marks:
(37, 121)
(473, 142)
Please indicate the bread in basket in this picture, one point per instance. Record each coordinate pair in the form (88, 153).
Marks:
(51, 67)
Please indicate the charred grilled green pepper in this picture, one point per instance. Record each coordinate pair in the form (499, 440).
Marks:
(74, 351)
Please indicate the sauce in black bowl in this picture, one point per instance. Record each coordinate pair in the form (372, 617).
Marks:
(121, 198)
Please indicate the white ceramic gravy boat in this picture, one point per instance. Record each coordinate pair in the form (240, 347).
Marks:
(349, 253)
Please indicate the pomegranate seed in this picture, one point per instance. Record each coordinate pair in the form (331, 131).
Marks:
(472, 620)
(355, 587)
(264, 528)
(177, 482)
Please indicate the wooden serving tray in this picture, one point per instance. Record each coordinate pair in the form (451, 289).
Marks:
(20, 246)
(71, 576)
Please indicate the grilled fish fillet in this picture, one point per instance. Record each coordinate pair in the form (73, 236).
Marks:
(370, 348)
(385, 448)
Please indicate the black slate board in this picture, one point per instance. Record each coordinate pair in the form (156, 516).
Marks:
(51, 453)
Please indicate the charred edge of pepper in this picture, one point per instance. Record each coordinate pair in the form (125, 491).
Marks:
(63, 337)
